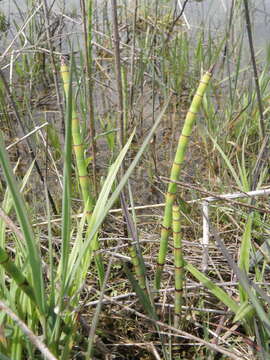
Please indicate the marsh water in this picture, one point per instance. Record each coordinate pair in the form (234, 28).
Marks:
(208, 14)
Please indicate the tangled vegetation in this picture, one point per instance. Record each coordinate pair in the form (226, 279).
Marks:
(134, 170)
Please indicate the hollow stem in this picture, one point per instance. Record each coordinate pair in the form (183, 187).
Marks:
(175, 172)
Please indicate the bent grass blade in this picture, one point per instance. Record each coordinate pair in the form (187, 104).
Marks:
(213, 288)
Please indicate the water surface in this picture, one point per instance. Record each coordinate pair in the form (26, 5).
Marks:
(212, 15)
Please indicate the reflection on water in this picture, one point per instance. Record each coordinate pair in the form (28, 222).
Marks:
(207, 14)
(215, 14)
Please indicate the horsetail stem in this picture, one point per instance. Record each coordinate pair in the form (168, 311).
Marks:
(78, 145)
(84, 179)
(138, 269)
(175, 172)
(178, 264)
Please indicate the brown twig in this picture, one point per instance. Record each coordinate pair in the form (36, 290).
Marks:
(218, 197)
(184, 334)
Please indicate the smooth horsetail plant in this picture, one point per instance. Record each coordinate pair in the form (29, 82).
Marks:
(138, 268)
(78, 146)
(84, 179)
(175, 172)
(178, 265)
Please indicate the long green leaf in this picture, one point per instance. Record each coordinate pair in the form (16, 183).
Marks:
(228, 163)
(4, 357)
(244, 257)
(21, 211)
(142, 296)
(247, 285)
(214, 289)
(245, 310)
(16, 274)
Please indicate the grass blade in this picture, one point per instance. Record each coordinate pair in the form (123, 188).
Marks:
(21, 211)
(214, 289)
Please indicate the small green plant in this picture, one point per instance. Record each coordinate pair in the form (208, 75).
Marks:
(4, 25)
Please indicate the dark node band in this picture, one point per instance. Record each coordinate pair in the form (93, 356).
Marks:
(170, 193)
(178, 290)
(198, 94)
(187, 136)
(165, 227)
(141, 276)
(178, 267)
(24, 283)
(204, 82)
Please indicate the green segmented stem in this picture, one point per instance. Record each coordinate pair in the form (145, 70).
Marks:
(178, 265)
(175, 172)
(84, 179)
(16, 275)
(78, 146)
(137, 267)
